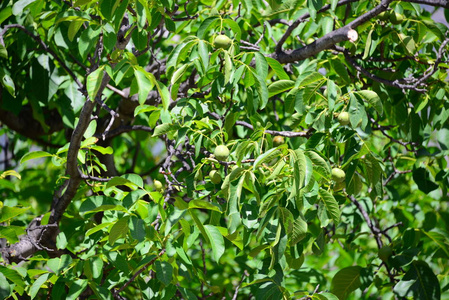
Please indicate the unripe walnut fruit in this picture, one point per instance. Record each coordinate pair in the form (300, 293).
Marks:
(338, 175)
(158, 185)
(343, 118)
(215, 177)
(278, 140)
(221, 153)
(222, 41)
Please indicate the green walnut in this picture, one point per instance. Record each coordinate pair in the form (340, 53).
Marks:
(343, 118)
(221, 153)
(396, 18)
(278, 140)
(158, 185)
(338, 175)
(222, 41)
(385, 253)
(215, 176)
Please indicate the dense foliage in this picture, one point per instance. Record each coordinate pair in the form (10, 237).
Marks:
(161, 149)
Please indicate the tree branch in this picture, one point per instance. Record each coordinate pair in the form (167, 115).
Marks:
(437, 3)
(329, 40)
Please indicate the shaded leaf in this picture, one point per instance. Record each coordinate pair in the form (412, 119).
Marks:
(346, 281)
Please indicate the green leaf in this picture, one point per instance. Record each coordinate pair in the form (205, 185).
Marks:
(4, 53)
(8, 83)
(14, 276)
(164, 271)
(5, 13)
(20, 5)
(356, 111)
(261, 65)
(440, 239)
(35, 287)
(262, 91)
(98, 228)
(177, 76)
(164, 129)
(88, 134)
(5, 288)
(340, 70)
(205, 27)
(319, 164)
(76, 288)
(203, 52)
(287, 219)
(299, 168)
(10, 173)
(234, 27)
(141, 15)
(120, 181)
(346, 281)
(235, 238)
(164, 93)
(144, 83)
(266, 157)
(93, 82)
(11, 233)
(299, 231)
(419, 283)
(34, 155)
(7, 213)
(118, 230)
(74, 27)
(228, 67)
(366, 53)
(373, 99)
(59, 263)
(277, 68)
(216, 240)
(331, 94)
(312, 78)
(201, 204)
(313, 6)
(280, 86)
(134, 178)
(421, 178)
(102, 150)
(331, 205)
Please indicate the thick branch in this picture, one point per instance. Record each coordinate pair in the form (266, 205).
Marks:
(330, 39)
(72, 156)
(436, 3)
(300, 20)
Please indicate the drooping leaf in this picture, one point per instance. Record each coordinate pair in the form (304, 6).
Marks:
(216, 240)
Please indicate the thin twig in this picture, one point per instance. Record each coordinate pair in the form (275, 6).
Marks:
(138, 272)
